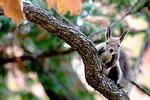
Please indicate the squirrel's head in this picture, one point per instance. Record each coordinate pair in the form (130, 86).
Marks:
(113, 43)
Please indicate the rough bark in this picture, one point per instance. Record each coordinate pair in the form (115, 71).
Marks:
(82, 45)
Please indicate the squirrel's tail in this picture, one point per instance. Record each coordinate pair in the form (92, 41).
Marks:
(123, 60)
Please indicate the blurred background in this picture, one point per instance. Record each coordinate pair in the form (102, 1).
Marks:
(36, 65)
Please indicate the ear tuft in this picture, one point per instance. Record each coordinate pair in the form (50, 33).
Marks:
(108, 32)
(123, 35)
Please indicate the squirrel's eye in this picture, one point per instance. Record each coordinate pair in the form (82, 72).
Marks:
(118, 45)
(106, 42)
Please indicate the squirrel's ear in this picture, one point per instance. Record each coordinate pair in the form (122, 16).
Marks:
(108, 32)
(123, 35)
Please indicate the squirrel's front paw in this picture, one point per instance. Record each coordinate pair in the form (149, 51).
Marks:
(119, 86)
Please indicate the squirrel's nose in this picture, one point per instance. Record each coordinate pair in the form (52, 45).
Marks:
(111, 50)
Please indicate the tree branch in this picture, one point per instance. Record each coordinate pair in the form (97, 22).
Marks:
(82, 45)
(66, 20)
(63, 17)
(33, 56)
(138, 61)
(140, 88)
(138, 31)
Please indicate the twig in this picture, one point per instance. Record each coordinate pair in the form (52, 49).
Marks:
(133, 32)
(63, 17)
(140, 88)
(31, 56)
(66, 19)
(116, 22)
(82, 45)
(138, 31)
(138, 61)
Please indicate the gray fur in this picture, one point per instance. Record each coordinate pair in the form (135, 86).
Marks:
(114, 60)
(123, 60)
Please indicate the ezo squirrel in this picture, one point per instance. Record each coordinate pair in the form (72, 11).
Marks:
(113, 59)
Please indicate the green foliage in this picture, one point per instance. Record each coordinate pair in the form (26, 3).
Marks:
(120, 4)
(83, 95)
(28, 96)
(3, 72)
(5, 25)
(54, 73)
(39, 3)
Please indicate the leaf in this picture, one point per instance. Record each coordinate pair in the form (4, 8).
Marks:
(1, 2)
(74, 6)
(50, 3)
(13, 9)
(61, 7)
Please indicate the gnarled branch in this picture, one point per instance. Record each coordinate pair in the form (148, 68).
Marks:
(82, 45)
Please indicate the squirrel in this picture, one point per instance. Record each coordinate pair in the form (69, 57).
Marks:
(113, 59)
